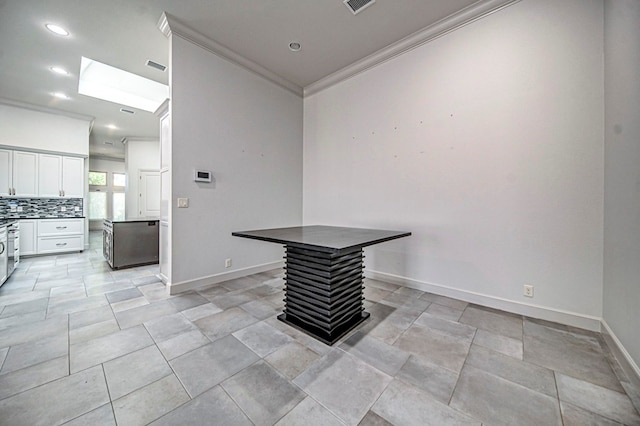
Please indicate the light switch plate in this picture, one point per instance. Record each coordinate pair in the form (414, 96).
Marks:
(183, 203)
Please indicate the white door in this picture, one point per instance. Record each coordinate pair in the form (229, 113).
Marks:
(149, 197)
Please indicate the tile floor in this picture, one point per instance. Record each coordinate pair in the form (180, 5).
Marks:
(83, 345)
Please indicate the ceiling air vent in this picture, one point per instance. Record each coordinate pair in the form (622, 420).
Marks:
(155, 65)
(357, 6)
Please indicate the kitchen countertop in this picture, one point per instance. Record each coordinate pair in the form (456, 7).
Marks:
(134, 219)
(9, 221)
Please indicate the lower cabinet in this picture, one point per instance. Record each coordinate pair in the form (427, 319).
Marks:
(47, 236)
(28, 237)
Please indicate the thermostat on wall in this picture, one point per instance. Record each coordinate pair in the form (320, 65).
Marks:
(202, 176)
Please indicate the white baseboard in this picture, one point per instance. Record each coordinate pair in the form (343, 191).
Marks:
(624, 358)
(175, 288)
(541, 312)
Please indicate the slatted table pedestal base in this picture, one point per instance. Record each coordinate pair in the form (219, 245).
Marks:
(323, 280)
(323, 292)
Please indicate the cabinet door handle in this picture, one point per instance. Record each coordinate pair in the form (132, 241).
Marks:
(1, 249)
(61, 227)
(61, 244)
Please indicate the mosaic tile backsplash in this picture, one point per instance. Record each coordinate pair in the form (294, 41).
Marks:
(40, 207)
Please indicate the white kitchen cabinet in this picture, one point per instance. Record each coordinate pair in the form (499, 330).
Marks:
(60, 235)
(61, 176)
(28, 237)
(50, 175)
(25, 174)
(73, 177)
(6, 178)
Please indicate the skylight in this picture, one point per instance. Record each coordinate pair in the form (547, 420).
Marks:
(112, 84)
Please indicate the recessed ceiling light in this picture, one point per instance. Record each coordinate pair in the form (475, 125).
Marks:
(155, 65)
(57, 29)
(127, 111)
(112, 126)
(59, 70)
(60, 95)
(295, 46)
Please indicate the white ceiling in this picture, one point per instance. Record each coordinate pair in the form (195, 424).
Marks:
(124, 34)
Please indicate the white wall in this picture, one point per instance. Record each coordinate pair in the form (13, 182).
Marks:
(622, 173)
(486, 143)
(248, 132)
(37, 130)
(139, 155)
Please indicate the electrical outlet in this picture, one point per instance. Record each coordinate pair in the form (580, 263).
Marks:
(227, 263)
(528, 291)
(183, 203)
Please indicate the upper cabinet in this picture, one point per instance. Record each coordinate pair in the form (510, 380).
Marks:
(30, 174)
(18, 173)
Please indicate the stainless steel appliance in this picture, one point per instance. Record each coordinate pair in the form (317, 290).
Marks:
(131, 242)
(13, 247)
(3, 254)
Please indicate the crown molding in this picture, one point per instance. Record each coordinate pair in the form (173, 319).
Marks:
(451, 23)
(38, 108)
(169, 25)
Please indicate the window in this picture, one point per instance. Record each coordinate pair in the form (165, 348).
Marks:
(118, 206)
(98, 178)
(119, 179)
(97, 205)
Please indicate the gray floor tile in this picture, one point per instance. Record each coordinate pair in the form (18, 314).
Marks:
(35, 375)
(3, 355)
(231, 300)
(445, 301)
(503, 344)
(600, 400)
(375, 294)
(386, 358)
(436, 381)
(204, 310)
(18, 320)
(260, 309)
(499, 323)
(213, 406)
(126, 294)
(575, 416)
(577, 356)
(343, 384)
(309, 413)
(205, 367)
(93, 331)
(372, 419)
(168, 326)
(139, 315)
(135, 370)
(445, 312)
(155, 291)
(125, 305)
(446, 327)
(108, 287)
(243, 283)
(101, 416)
(523, 373)
(150, 402)
(106, 348)
(402, 404)
(37, 305)
(263, 393)
(91, 316)
(265, 290)
(187, 301)
(381, 284)
(506, 404)
(440, 349)
(34, 352)
(292, 359)
(33, 331)
(76, 305)
(221, 324)
(182, 343)
(262, 338)
(58, 401)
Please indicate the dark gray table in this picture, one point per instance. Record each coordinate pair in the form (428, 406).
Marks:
(323, 278)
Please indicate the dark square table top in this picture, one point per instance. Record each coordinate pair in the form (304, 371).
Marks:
(323, 238)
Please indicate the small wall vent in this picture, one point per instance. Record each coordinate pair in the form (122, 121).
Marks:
(357, 6)
(155, 65)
